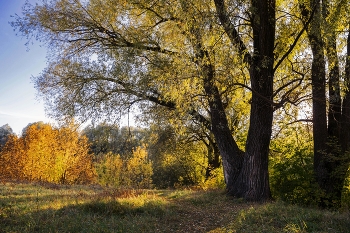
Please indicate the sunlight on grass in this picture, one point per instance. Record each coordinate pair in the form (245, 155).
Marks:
(27, 208)
(279, 217)
(47, 208)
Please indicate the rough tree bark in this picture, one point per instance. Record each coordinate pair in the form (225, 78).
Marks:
(254, 179)
(249, 178)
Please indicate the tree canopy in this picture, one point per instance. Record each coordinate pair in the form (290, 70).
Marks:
(206, 62)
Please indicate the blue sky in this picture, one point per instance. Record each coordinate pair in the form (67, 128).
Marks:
(18, 103)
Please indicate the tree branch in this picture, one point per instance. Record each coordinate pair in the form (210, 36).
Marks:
(232, 32)
(291, 47)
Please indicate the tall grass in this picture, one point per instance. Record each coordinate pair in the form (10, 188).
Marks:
(279, 217)
(58, 208)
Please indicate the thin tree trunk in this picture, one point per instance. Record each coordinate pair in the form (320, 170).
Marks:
(334, 111)
(319, 110)
(345, 132)
(341, 162)
(333, 185)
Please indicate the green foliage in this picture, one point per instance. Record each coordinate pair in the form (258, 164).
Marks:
(291, 168)
(183, 166)
(133, 172)
(177, 161)
(109, 170)
(292, 176)
(215, 181)
(105, 138)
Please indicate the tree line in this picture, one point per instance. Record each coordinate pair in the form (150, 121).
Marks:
(105, 154)
(222, 70)
(45, 153)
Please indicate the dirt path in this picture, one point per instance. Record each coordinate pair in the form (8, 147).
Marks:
(203, 212)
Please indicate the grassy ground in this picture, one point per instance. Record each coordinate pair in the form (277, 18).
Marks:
(54, 208)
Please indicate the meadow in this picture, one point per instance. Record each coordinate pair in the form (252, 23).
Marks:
(38, 207)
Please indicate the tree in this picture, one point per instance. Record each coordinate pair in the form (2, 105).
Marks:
(331, 159)
(109, 138)
(183, 55)
(5, 132)
(178, 158)
(11, 159)
(44, 153)
(103, 138)
(139, 169)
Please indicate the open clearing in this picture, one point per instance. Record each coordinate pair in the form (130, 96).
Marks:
(59, 208)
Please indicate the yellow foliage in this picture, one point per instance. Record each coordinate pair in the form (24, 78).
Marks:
(47, 154)
(10, 159)
(216, 180)
(135, 172)
(139, 169)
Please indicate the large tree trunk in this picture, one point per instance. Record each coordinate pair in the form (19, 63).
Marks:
(252, 182)
(254, 178)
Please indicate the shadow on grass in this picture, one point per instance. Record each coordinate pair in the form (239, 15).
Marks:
(95, 216)
(152, 208)
(280, 217)
(161, 211)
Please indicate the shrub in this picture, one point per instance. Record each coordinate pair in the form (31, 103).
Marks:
(291, 176)
(215, 181)
(135, 172)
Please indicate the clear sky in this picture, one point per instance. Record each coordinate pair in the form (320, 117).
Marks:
(18, 102)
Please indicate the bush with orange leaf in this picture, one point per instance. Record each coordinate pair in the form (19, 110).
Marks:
(45, 153)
